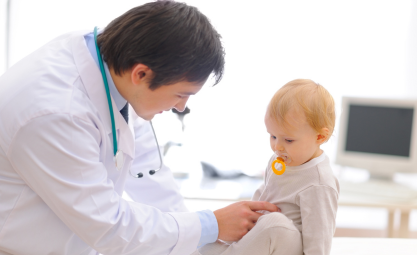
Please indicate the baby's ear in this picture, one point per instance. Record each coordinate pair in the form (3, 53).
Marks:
(323, 136)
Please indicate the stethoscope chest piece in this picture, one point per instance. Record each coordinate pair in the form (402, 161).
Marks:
(119, 160)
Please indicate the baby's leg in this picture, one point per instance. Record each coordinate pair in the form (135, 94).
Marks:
(273, 234)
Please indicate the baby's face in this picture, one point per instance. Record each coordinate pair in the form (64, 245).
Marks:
(296, 143)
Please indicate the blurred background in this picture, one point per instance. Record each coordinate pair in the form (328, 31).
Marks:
(217, 152)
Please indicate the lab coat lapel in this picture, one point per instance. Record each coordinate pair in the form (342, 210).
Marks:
(125, 136)
(91, 78)
(93, 82)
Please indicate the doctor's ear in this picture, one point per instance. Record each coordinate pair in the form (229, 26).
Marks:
(141, 73)
(323, 136)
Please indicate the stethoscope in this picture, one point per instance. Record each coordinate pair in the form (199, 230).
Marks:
(118, 155)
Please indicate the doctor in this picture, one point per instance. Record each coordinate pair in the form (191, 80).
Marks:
(61, 184)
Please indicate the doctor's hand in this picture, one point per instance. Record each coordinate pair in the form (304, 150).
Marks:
(237, 219)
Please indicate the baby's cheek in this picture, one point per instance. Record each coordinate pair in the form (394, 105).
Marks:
(297, 159)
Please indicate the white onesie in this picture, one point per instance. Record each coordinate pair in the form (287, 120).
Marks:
(307, 196)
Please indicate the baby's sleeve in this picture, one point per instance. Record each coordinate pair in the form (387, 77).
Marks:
(318, 205)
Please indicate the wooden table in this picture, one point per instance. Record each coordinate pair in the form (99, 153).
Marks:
(394, 197)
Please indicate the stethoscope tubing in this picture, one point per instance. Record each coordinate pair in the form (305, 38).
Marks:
(151, 172)
(106, 86)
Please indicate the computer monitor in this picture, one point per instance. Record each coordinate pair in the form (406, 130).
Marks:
(379, 135)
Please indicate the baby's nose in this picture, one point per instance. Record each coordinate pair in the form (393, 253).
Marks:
(279, 147)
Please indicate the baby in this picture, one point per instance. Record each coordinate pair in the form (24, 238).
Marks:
(299, 118)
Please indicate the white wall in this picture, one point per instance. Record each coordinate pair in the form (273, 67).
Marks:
(35, 22)
(356, 48)
(3, 19)
(411, 54)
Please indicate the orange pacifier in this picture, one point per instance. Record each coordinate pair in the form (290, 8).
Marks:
(280, 161)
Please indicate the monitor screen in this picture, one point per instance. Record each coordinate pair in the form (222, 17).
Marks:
(379, 130)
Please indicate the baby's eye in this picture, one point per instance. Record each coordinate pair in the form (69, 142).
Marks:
(289, 141)
(273, 137)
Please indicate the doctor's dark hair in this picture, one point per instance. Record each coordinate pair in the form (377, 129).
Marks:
(176, 41)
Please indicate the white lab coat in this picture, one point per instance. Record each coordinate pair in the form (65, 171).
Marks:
(60, 192)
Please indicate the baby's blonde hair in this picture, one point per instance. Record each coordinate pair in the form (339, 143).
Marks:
(303, 95)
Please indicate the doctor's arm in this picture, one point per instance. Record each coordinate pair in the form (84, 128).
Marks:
(59, 158)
